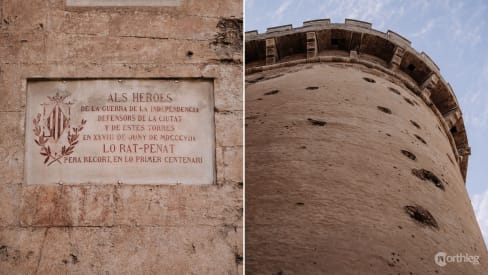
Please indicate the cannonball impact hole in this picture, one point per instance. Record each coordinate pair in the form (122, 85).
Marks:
(239, 258)
(254, 80)
(189, 53)
(409, 155)
(394, 90)
(316, 122)
(370, 80)
(427, 175)
(409, 101)
(421, 215)
(273, 92)
(312, 88)
(415, 124)
(74, 258)
(384, 109)
(421, 139)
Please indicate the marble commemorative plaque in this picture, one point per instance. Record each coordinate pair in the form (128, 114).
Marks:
(122, 3)
(129, 131)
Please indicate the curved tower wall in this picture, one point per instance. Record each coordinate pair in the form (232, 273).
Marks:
(356, 155)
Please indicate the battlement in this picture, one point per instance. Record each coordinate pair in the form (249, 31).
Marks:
(355, 41)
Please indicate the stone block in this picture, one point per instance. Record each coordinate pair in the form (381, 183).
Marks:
(131, 50)
(397, 38)
(317, 22)
(123, 3)
(279, 28)
(218, 8)
(233, 163)
(219, 165)
(78, 250)
(177, 205)
(228, 128)
(13, 84)
(20, 249)
(25, 16)
(67, 205)
(228, 91)
(11, 147)
(90, 22)
(358, 23)
(9, 197)
(165, 26)
(22, 47)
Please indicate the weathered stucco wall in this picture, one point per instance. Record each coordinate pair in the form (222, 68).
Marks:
(121, 229)
(354, 164)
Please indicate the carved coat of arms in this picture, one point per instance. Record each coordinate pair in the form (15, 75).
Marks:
(53, 126)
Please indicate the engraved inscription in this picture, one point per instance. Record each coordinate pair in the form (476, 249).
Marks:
(129, 131)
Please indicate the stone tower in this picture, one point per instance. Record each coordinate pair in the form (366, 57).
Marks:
(356, 156)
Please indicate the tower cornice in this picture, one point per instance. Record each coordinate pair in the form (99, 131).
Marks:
(357, 42)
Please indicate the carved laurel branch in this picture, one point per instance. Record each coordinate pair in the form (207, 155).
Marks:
(46, 150)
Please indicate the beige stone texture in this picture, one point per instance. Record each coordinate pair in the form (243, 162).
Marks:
(230, 126)
(121, 229)
(123, 3)
(11, 147)
(119, 250)
(328, 188)
(322, 198)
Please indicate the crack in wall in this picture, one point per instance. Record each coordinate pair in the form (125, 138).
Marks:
(41, 250)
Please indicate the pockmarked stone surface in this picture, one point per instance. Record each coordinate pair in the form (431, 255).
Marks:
(118, 3)
(356, 160)
(148, 131)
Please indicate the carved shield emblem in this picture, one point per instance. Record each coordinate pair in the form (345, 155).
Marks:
(52, 126)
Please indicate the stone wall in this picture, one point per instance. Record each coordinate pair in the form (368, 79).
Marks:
(117, 228)
(356, 156)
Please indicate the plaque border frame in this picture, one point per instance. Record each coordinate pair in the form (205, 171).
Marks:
(211, 80)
